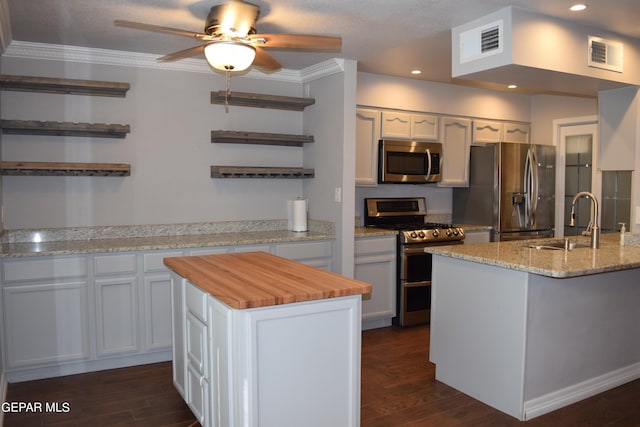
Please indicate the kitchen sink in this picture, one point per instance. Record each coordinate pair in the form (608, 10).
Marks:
(558, 245)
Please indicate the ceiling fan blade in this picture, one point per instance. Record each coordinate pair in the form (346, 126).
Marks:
(265, 60)
(182, 54)
(160, 29)
(298, 41)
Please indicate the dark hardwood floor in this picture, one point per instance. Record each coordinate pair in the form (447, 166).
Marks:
(398, 389)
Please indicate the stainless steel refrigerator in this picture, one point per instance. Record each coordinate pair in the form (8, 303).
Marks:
(511, 188)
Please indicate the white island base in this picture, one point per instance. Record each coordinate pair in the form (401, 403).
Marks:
(528, 344)
(286, 365)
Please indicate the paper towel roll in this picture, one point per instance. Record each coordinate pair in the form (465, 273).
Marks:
(298, 215)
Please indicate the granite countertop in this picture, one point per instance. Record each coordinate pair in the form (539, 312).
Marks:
(85, 240)
(581, 261)
(372, 232)
(258, 279)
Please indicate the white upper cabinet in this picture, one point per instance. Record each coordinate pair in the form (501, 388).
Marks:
(424, 127)
(404, 125)
(367, 136)
(516, 132)
(485, 131)
(456, 148)
(396, 125)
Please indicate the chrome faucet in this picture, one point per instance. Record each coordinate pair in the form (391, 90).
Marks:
(593, 229)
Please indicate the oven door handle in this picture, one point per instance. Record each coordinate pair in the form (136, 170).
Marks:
(414, 251)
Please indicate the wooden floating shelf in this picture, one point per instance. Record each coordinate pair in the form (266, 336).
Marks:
(260, 172)
(64, 86)
(32, 127)
(231, 137)
(258, 100)
(64, 169)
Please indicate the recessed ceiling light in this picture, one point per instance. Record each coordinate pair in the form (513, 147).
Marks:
(578, 7)
(416, 72)
(512, 86)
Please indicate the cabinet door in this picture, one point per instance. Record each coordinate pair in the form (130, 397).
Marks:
(367, 137)
(424, 127)
(487, 131)
(516, 132)
(375, 263)
(198, 396)
(157, 303)
(396, 125)
(456, 146)
(45, 323)
(178, 334)
(117, 315)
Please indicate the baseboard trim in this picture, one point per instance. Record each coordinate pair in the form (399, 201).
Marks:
(575, 393)
(29, 374)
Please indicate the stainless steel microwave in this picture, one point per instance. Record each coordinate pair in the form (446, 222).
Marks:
(410, 162)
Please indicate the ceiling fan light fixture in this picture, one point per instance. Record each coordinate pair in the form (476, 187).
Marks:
(229, 55)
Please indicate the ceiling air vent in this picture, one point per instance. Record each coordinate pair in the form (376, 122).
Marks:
(490, 39)
(605, 54)
(482, 41)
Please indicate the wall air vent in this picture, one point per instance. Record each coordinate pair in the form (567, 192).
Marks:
(490, 39)
(605, 54)
(480, 42)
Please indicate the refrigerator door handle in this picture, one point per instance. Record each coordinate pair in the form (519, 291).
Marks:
(535, 185)
(531, 187)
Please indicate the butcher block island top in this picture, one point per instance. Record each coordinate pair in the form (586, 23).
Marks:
(259, 279)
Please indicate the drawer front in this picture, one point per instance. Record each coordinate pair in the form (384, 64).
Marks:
(304, 250)
(43, 269)
(375, 245)
(196, 301)
(197, 344)
(115, 264)
(153, 261)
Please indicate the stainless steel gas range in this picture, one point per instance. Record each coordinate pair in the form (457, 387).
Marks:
(407, 215)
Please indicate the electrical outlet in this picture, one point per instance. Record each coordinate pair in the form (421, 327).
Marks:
(337, 194)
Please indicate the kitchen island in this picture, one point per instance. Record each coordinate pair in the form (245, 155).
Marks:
(530, 330)
(262, 340)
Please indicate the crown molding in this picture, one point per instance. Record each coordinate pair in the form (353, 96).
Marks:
(55, 52)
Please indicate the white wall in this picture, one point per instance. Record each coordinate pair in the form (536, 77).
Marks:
(169, 150)
(332, 156)
(547, 108)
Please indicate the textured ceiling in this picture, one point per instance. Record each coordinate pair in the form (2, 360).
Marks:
(386, 37)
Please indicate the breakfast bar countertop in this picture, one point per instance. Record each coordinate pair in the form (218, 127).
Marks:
(520, 256)
(258, 279)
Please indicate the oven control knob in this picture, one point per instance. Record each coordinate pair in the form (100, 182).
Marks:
(449, 232)
(421, 234)
(455, 232)
(435, 233)
(413, 235)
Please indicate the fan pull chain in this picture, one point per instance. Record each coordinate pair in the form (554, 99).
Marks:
(227, 93)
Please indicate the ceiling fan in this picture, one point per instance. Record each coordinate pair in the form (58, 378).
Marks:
(230, 41)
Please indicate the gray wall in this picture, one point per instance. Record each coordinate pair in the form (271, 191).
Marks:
(169, 149)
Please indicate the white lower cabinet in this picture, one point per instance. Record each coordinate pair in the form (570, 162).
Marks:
(117, 315)
(375, 263)
(479, 236)
(45, 311)
(45, 323)
(316, 254)
(71, 314)
(287, 365)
